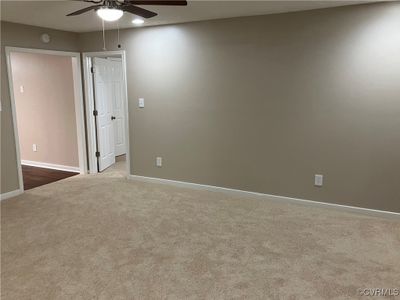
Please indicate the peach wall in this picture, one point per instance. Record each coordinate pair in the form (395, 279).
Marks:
(45, 108)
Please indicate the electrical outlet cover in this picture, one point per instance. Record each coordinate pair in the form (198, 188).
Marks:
(318, 180)
(159, 161)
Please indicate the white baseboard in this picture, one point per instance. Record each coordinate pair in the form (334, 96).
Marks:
(11, 194)
(234, 192)
(50, 166)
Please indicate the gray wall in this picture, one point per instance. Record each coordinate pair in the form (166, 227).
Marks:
(18, 35)
(264, 103)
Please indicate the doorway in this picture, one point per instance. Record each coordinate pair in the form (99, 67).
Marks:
(47, 108)
(106, 111)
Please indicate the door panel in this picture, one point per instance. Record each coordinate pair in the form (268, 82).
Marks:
(118, 106)
(103, 88)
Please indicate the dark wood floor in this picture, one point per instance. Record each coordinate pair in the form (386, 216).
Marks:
(34, 176)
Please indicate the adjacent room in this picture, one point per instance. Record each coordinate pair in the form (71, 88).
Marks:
(43, 90)
(200, 149)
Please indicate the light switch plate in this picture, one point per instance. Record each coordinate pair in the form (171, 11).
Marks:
(34, 148)
(21, 89)
(141, 102)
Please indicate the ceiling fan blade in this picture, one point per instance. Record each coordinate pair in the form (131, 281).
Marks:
(81, 11)
(138, 11)
(157, 2)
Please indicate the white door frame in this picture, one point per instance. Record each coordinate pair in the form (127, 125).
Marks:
(87, 78)
(79, 115)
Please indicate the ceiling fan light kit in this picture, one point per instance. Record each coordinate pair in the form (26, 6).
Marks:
(109, 14)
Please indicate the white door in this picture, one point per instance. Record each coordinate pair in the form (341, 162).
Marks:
(118, 106)
(103, 90)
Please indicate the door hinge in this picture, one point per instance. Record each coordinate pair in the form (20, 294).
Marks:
(95, 112)
(97, 154)
(92, 70)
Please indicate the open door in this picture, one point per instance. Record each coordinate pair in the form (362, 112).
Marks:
(103, 91)
(118, 105)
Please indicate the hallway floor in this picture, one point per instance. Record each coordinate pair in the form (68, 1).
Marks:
(34, 176)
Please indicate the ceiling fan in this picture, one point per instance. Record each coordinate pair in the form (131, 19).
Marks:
(112, 10)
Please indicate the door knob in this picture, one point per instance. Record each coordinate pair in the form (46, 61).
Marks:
(112, 118)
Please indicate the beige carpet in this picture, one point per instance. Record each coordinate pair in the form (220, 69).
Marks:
(105, 237)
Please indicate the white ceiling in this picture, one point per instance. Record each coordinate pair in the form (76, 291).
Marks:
(51, 14)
